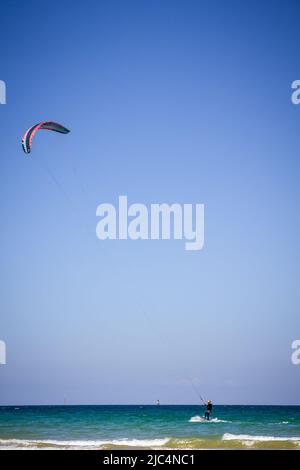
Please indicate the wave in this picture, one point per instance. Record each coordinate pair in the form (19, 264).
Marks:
(263, 441)
(200, 419)
(227, 441)
(77, 444)
(246, 437)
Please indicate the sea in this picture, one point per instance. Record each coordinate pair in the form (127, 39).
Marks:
(149, 427)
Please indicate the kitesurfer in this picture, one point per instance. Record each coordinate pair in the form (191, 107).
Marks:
(208, 409)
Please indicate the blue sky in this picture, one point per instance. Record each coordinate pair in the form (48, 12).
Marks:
(167, 101)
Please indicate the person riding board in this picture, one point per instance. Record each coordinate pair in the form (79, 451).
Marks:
(208, 410)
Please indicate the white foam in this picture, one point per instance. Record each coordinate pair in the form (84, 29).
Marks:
(87, 444)
(246, 437)
(200, 419)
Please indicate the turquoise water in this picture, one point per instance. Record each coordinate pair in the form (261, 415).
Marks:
(105, 427)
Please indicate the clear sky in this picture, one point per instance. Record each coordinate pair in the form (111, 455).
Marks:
(168, 101)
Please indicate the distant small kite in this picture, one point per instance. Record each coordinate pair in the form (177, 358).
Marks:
(46, 125)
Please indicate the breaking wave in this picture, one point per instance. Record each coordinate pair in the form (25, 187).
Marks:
(87, 444)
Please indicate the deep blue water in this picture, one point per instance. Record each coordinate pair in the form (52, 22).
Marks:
(149, 426)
